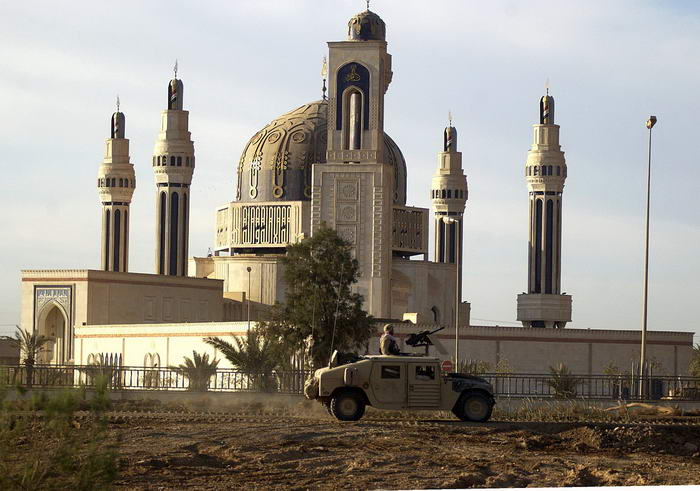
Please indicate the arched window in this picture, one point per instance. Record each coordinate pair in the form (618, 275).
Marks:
(449, 193)
(121, 182)
(126, 183)
(549, 170)
(114, 182)
(352, 134)
(436, 314)
(179, 161)
(536, 169)
(558, 170)
(172, 160)
(187, 161)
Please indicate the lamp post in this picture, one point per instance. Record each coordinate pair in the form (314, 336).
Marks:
(642, 358)
(249, 270)
(458, 254)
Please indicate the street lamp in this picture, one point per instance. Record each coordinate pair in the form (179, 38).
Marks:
(249, 270)
(458, 254)
(642, 358)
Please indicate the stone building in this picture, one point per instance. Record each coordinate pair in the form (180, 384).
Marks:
(327, 161)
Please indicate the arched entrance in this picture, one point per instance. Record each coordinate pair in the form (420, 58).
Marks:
(53, 323)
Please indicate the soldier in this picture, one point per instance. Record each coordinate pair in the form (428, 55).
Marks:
(387, 343)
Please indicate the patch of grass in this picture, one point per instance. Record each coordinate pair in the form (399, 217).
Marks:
(43, 446)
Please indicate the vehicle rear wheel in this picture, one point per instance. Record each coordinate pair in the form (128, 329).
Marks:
(473, 406)
(347, 406)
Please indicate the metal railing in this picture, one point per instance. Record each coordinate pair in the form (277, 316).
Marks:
(152, 378)
(626, 387)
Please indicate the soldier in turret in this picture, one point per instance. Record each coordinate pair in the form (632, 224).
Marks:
(388, 344)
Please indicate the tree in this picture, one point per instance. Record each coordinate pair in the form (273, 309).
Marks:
(198, 370)
(563, 382)
(256, 355)
(321, 312)
(694, 367)
(30, 345)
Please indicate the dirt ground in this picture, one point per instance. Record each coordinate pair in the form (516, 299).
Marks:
(314, 451)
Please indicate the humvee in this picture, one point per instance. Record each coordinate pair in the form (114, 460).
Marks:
(410, 382)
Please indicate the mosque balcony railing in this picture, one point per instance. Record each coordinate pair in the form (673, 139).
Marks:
(410, 230)
(516, 386)
(241, 225)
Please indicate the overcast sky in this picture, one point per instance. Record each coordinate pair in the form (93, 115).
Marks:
(243, 63)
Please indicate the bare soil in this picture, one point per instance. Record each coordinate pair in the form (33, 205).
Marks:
(314, 451)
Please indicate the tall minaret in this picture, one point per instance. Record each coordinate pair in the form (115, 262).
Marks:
(353, 192)
(545, 172)
(449, 195)
(173, 165)
(116, 184)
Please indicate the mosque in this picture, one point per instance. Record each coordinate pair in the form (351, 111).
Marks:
(327, 161)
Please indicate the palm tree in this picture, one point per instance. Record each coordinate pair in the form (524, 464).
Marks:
(30, 345)
(694, 368)
(256, 355)
(198, 370)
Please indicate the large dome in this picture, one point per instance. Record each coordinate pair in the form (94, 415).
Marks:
(276, 162)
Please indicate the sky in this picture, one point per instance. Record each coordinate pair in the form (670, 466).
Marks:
(609, 65)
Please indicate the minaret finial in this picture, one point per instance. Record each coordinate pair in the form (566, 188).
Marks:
(117, 102)
(546, 85)
(367, 4)
(449, 117)
(175, 68)
(324, 75)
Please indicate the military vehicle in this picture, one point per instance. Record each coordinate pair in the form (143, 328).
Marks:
(401, 382)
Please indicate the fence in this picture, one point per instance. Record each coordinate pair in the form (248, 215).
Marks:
(292, 382)
(152, 378)
(569, 386)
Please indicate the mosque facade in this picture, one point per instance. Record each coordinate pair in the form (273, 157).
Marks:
(329, 162)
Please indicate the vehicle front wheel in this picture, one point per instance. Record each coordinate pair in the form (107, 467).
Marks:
(347, 406)
(473, 407)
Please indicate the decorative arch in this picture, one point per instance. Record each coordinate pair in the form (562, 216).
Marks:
(356, 75)
(53, 321)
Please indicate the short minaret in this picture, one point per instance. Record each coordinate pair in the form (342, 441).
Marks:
(545, 172)
(449, 195)
(116, 184)
(173, 166)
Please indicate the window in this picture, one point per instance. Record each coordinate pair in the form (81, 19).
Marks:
(114, 182)
(549, 170)
(558, 170)
(126, 183)
(121, 182)
(537, 171)
(179, 161)
(172, 160)
(187, 161)
(436, 314)
(449, 193)
(425, 372)
(391, 371)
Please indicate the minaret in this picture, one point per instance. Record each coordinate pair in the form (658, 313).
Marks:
(173, 165)
(353, 191)
(449, 195)
(116, 184)
(545, 172)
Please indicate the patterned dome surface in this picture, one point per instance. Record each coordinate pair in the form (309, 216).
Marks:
(276, 163)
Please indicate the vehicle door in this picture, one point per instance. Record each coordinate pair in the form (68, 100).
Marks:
(423, 385)
(389, 382)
